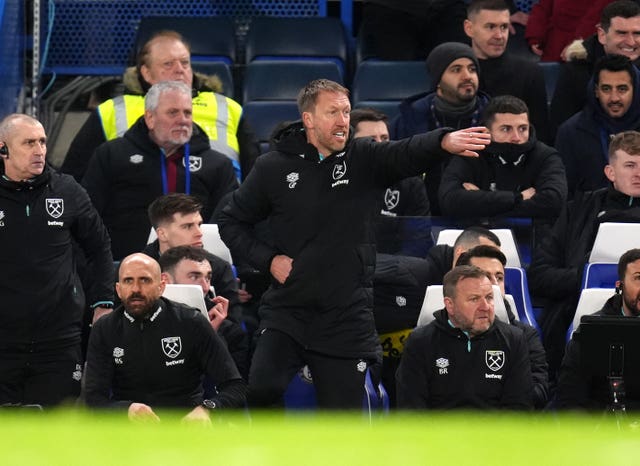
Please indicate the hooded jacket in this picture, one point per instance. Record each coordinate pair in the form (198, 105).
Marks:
(583, 140)
(42, 297)
(125, 176)
(442, 368)
(502, 172)
(320, 214)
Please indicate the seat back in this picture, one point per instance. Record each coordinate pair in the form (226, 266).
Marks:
(600, 275)
(613, 240)
(591, 301)
(551, 72)
(507, 241)
(517, 286)
(191, 295)
(434, 301)
(384, 84)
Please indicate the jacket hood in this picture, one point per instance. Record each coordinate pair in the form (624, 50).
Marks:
(292, 139)
(134, 84)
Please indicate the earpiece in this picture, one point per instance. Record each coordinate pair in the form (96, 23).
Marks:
(4, 151)
(618, 287)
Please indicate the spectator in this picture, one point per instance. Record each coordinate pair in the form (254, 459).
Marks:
(614, 106)
(408, 30)
(189, 265)
(576, 389)
(502, 72)
(318, 190)
(166, 56)
(515, 176)
(162, 152)
(455, 103)
(465, 358)
(556, 271)
(493, 261)
(42, 215)
(152, 353)
(618, 33)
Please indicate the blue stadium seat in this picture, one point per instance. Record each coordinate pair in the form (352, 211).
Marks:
(516, 284)
(600, 275)
(264, 116)
(318, 39)
(384, 84)
(551, 71)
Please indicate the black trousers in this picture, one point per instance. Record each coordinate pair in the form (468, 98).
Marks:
(339, 383)
(44, 377)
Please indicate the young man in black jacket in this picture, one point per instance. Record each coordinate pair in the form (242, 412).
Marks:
(319, 191)
(466, 358)
(43, 214)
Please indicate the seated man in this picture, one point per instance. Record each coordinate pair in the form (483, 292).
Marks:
(177, 221)
(465, 358)
(575, 388)
(613, 105)
(189, 265)
(151, 353)
(493, 261)
(515, 176)
(555, 273)
(163, 152)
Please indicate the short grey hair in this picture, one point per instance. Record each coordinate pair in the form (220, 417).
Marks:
(153, 95)
(7, 124)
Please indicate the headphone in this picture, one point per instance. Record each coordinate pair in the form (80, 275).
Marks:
(4, 151)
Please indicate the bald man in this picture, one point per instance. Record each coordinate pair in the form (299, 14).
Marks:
(152, 352)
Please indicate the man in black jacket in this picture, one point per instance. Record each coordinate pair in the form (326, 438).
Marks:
(163, 152)
(501, 72)
(42, 215)
(618, 33)
(515, 176)
(152, 353)
(319, 190)
(492, 261)
(613, 105)
(466, 358)
(555, 274)
(575, 388)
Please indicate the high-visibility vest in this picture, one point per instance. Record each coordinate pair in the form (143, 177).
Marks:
(217, 115)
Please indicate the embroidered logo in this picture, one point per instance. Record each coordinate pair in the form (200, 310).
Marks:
(339, 170)
(1, 218)
(136, 158)
(118, 353)
(494, 359)
(171, 346)
(77, 374)
(391, 198)
(195, 163)
(292, 179)
(305, 375)
(442, 364)
(55, 207)
(401, 301)
(361, 366)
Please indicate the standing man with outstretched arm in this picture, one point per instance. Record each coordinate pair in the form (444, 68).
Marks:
(318, 190)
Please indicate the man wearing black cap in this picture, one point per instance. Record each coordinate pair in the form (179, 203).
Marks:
(455, 103)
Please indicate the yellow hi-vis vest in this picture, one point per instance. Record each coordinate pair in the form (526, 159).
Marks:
(217, 115)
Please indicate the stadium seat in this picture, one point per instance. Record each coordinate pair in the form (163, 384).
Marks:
(613, 240)
(384, 84)
(551, 71)
(434, 301)
(211, 240)
(517, 286)
(600, 275)
(316, 38)
(591, 301)
(212, 42)
(508, 243)
(191, 295)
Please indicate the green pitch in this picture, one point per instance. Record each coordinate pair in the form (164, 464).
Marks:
(79, 438)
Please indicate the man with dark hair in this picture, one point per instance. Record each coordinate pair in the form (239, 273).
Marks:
(613, 105)
(166, 56)
(493, 261)
(152, 352)
(177, 221)
(465, 358)
(501, 72)
(556, 270)
(162, 152)
(575, 388)
(515, 176)
(318, 191)
(618, 33)
(454, 102)
(46, 219)
(189, 265)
